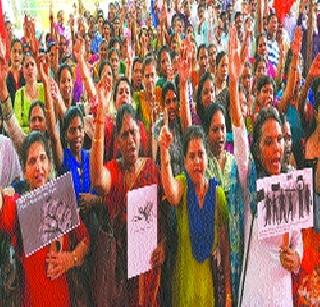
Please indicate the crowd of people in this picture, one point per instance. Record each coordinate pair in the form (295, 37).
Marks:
(201, 98)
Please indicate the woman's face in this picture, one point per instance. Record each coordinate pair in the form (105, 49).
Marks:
(217, 134)
(37, 121)
(38, 166)
(222, 69)
(75, 135)
(115, 62)
(30, 70)
(106, 75)
(261, 69)
(246, 78)
(208, 93)
(171, 105)
(123, 94)
(103, 52)
(16, 55)
(196, 160)
(271, 147)
(262, 46)
(165, 63)
(286, 132)
(129, 140)
(65, 84)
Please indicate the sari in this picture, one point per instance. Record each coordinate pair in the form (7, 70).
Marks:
(129, 293)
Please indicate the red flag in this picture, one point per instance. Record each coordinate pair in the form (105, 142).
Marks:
(3, 31)
(282, 8)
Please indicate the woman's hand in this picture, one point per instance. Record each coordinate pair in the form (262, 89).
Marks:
(290, 259)
(3, 61)
(158, 255)
(234, 61)
(59, 263)
(165, 138)
(184, 64)
(78, 49)
(297, 42)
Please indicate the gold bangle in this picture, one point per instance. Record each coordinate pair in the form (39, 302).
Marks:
(75, 258)
(97, 140)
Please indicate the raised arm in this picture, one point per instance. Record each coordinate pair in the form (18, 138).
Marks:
(241, 143)
(100, 176)
(292, 75)
(51, 119)
(173, 188)
(184, 70)
(314, 72)
(79, 51)
(235, 67)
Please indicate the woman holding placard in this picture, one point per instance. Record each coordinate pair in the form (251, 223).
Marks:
(45, 279)
(268, 263)
(114, 181)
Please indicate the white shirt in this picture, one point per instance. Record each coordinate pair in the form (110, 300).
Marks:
(267, 283)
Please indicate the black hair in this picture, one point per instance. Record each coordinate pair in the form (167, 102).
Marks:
(257, 60)
(147, 61)
(14, 41)
(192, 133)
(33, 137)
(237, 14)
(110, 51)
(61, 68)
(168, 85)
(71, 113)
(34, 104)
(136, 60)
(200, 108)
(101, 67)
(125, 109)
(113, 41)
(264, 80)
(264, 115)
(212, 109)
(219, 57)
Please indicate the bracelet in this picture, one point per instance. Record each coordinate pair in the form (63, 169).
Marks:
(97, 140)
(99, 121)
(75, 258)
(4, 101)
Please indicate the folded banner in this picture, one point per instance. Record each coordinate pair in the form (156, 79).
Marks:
(47, 213)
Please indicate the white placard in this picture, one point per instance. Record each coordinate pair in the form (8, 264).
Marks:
(142, 228)
(47, 213)
(285, 201)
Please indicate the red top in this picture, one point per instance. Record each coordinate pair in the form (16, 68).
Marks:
(39, 290)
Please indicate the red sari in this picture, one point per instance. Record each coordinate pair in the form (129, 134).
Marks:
(39, 290)
(307, 283)
(117, 203)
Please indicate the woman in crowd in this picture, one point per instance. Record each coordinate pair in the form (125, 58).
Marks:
(15, 78)
(45, 272)
(30, 92)
(205, 95)
(273, 258)
(202, 219)
(114, 181)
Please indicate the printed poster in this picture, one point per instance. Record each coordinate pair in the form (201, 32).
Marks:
(142, 228)
(47, 213)
(285, 201)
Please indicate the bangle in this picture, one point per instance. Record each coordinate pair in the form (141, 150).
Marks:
(75, 258)
(4, 101)
(99, 121)
(97, 140)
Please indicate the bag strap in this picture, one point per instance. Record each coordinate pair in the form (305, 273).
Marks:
(22, 104)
